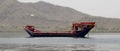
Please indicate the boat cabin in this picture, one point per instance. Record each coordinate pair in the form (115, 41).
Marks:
(81, 26)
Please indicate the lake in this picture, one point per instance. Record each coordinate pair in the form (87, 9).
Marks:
(20, 41)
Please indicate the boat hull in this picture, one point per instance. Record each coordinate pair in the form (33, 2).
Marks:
(78, 30)
(77, 34)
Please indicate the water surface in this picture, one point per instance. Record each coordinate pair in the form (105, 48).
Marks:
(95, 42)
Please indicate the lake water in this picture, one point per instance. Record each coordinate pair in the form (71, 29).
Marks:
(95, 42)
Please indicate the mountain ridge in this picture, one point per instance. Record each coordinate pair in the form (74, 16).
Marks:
(17, 14)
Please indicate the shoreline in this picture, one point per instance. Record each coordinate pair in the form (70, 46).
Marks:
(89, 32)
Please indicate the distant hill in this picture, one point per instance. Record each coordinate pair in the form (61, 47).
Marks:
(14, 15)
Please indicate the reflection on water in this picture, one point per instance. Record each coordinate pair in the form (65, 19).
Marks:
(96, 42)
(57, 47)
(52, 47)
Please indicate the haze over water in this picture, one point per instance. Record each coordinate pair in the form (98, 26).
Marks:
(95, 42)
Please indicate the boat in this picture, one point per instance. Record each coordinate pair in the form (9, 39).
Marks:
(78, 30)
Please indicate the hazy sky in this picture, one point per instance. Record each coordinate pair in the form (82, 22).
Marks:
(107, 8)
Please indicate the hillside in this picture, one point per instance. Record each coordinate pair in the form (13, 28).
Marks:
(14, 15)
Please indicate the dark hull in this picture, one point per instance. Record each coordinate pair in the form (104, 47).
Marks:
(78, 34)
(78, 30)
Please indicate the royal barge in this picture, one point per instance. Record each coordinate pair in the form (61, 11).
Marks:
(78, 30)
